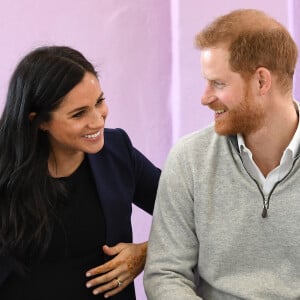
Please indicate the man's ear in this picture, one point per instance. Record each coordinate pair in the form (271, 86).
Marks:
(264, 80)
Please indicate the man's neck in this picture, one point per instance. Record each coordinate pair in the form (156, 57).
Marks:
(268, 144)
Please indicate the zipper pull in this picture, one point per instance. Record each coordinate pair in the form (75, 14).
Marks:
(264, 213)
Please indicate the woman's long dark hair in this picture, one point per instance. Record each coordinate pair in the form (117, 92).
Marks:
(28, 194)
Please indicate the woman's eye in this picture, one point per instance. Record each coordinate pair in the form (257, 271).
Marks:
(78, 114)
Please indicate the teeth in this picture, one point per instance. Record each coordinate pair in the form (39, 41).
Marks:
(219, 111)
(92, 136)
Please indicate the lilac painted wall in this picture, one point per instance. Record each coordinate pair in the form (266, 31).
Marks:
(144, 52)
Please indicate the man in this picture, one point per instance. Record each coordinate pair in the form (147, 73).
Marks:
(227, 215)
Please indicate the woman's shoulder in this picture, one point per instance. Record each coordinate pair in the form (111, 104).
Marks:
(115, 133)
(117, 136)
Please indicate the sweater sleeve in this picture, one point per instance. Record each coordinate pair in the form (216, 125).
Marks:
(173, 245)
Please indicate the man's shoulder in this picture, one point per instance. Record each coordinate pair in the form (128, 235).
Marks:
(197, 145)
(200, 139)
(198, 136)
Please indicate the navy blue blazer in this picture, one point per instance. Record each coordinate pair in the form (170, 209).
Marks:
(123, 176)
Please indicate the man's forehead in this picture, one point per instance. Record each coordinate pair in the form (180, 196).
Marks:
(214, 62)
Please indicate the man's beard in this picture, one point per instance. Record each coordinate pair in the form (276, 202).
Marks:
(246, 118)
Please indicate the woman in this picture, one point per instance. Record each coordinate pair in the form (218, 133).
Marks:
(67, 186)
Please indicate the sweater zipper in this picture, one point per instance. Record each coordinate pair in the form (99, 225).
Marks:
(266, 199)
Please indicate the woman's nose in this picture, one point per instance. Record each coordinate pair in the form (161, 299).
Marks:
(98, 116)
(97, 120)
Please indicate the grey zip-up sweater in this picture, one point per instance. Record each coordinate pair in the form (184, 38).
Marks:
(208, 238)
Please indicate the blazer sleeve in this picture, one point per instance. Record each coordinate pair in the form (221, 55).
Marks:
(146, 176)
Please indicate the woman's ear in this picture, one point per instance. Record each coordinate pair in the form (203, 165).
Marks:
(264, 79)
(31, 116)
(43, 126)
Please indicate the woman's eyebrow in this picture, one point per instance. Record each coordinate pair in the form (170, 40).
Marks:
(84, 107)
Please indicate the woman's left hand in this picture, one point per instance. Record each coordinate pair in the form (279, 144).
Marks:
(118, 273)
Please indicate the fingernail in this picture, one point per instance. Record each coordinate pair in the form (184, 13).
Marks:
(88, 274)
(88, 285)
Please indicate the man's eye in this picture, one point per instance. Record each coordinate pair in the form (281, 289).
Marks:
(218, 84)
